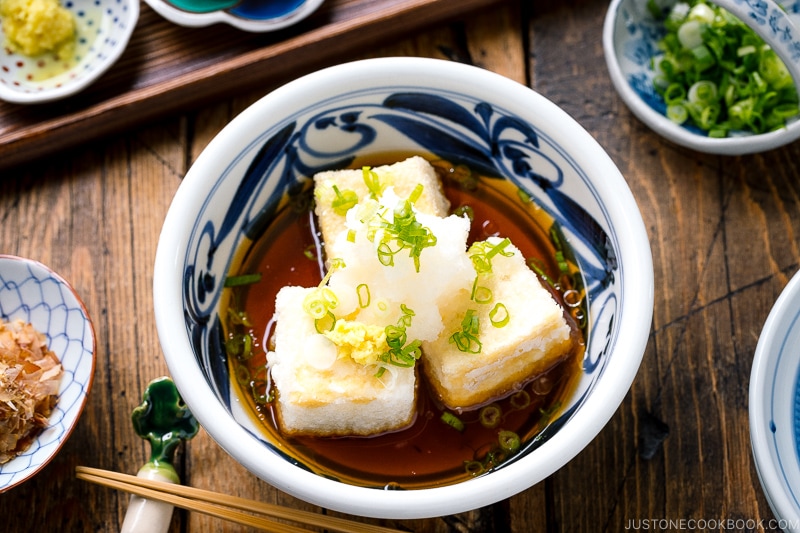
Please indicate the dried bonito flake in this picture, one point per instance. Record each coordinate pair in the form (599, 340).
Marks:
(29, 378)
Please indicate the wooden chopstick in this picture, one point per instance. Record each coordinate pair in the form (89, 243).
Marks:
(224, 506)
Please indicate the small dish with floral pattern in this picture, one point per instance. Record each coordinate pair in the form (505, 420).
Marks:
(102, 31)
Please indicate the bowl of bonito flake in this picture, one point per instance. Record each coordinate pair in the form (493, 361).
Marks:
(47, 346)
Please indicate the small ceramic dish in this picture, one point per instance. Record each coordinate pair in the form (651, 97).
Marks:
(103, 28)
(775, 406)
(31, 292)
(248, 15)
(630, 40)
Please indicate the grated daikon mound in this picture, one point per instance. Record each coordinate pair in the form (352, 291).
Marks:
(445, 271)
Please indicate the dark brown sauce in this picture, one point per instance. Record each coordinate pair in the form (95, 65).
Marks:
(429, 453)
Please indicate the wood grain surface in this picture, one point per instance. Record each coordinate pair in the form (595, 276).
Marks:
(724, 237)
(166, 68)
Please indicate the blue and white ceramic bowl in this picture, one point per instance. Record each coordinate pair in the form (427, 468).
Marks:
(248, 15)
(775, 407)
(630, 40)
(103, 29)
(402, 105)
(31, 292)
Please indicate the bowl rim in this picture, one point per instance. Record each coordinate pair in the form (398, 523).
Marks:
(78, 84)
(417, 503)
(656, 121)
(41, 267)
(762, 400)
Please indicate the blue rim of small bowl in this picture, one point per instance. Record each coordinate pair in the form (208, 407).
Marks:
(241, 16)
(32, 292)
(774, 408)
(112, 26)
(637, 93)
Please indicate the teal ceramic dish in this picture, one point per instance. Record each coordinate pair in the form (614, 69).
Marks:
(247, 15)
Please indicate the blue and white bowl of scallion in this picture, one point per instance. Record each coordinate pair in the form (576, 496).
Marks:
(731, 96)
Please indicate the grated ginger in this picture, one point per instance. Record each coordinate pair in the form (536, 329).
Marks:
(29, 378)
(35, 27)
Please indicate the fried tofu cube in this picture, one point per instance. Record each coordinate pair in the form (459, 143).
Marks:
(403, 177)
(327, 387)
(521, 332)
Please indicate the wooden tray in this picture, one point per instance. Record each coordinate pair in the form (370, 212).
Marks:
(168, 67)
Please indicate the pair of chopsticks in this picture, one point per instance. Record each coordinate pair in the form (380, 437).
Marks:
(232, 508)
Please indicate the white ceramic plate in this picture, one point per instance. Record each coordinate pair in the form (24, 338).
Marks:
(32, 292)
(775, 407)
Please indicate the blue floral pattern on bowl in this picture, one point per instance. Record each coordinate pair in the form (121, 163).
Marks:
(103, 28)
(31, 292)
(447, 125)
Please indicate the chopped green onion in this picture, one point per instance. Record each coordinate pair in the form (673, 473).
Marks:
(239, 318)
(690, 34)
(465, 210)
(490, 415)
(480, 294)
(242, 375)
(244, 279)
(714, 72)
(536, 264)
(416, 193)
(464, 177)
(239, 346)
(499, 316)
(703, 91)
(703, 59)
(745, 50)
(467, 340)
(474, 468)
(563, 266)
(362, 291)
(325, 322)
(452, 420)
(482, 253)
(344, 201)
(677, 113)
(405, 232)
(674, 93)
(401, 353)
(520, 400)
(509, 441)
(372, 181)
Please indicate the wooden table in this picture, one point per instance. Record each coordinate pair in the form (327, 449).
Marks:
(724, 234)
